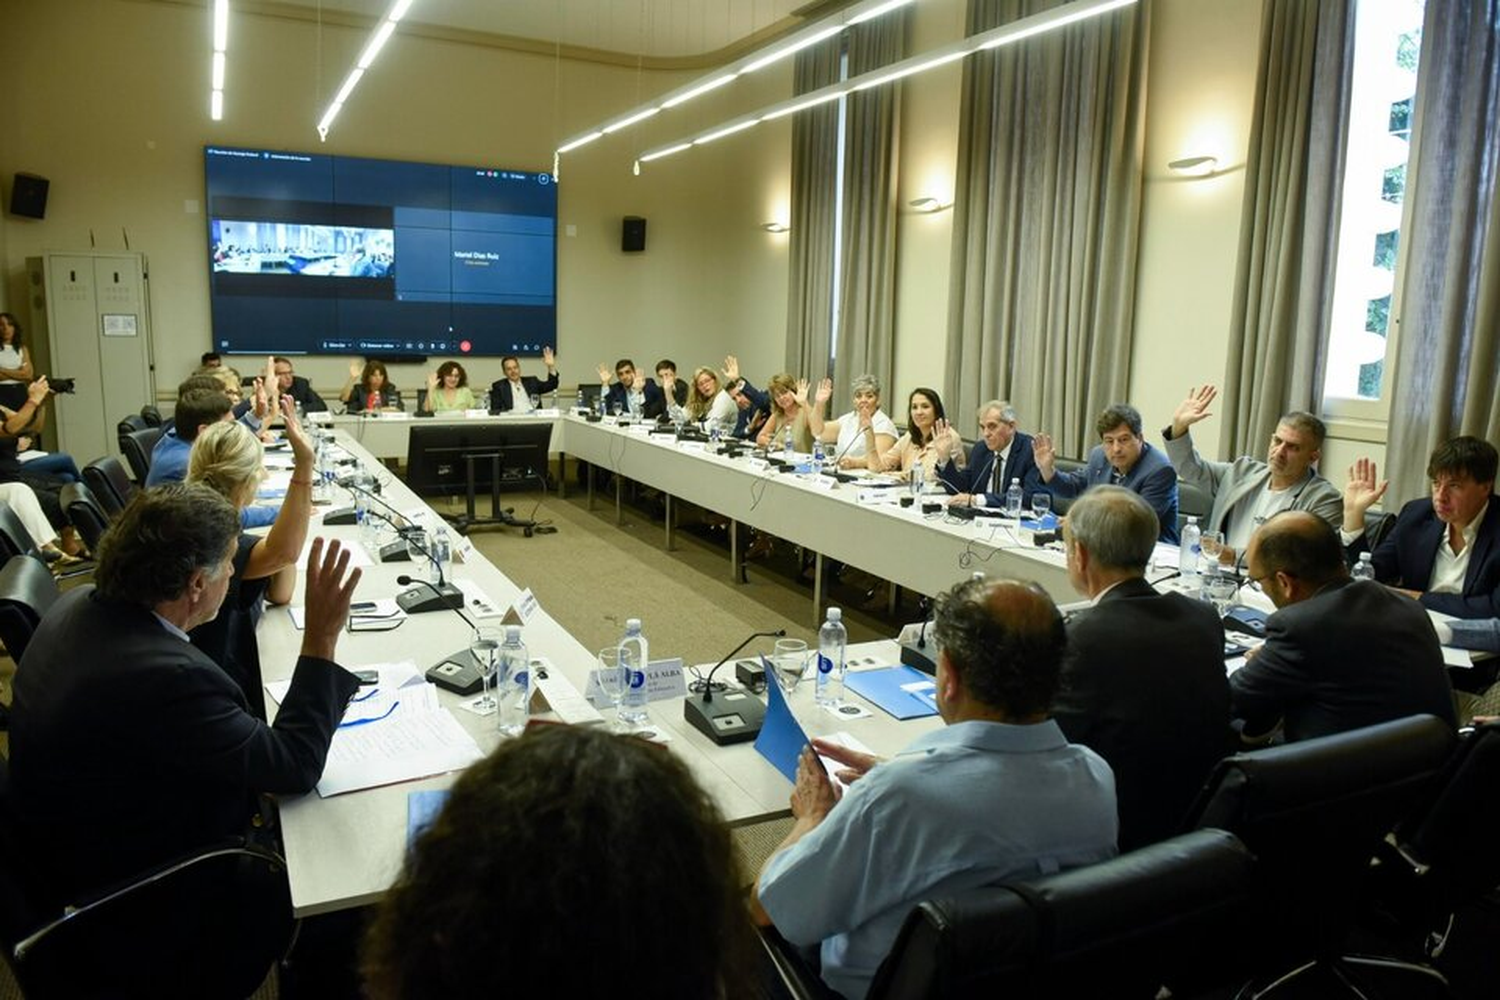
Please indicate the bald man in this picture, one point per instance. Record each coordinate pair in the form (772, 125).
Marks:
(1339, 654)
(999, 793)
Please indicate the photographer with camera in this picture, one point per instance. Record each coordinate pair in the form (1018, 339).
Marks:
(45, 475)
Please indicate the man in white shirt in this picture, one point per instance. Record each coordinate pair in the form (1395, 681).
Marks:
(1247, 491)
(512, 394)
(1444, 550)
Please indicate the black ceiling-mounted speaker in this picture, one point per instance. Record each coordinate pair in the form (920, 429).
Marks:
(633, 234)
(28, 196)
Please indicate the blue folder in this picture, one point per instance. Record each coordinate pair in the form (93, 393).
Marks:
(883, 687)
(781, 739)
(421, 809)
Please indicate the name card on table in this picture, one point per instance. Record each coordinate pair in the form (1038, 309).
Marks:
(664, 680)
(698, 446)
(476, 414)
(821, 482)
(886, 496)
(522, 609)
(558, 693)
(757, 465)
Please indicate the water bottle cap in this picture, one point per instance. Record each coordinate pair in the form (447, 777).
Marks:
(1016, 481)
(632, 624)
(512, 632)
(834, 614)
(1192, 519)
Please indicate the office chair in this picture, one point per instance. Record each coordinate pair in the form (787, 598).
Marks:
(1177, 913)
(27, 590)
(151, 415)
(207, 925)
(132, 422)
(15, 540)
(137, 447)
(1192, 501)
(85, 512)
(1314, 814)
(1440, 859)
(1377, 526)
(111, 484)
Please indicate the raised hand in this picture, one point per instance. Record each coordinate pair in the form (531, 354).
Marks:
(330, 586)
(548, 358)
(731, 368)
(825, 391)
(356, 370)
(260, 401)
(432, 381)
(1361, 492)
(605, 375)
(1046, 457)
(802, 387)
(302, 449)
(270, 372)
(1193, 409)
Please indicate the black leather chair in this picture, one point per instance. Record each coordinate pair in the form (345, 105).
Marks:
(27, 590)
(1441, 858)
(207, 925)
(1314, 814)
(1377, 526)
(137, 447)
(1192, 501)
(87, 514)
(15, 540)
(111, 484)
(1177, 913)
(134, 422)
(151, 415)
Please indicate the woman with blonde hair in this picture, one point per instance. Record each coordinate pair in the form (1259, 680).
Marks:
(230, 459)
(789, 410)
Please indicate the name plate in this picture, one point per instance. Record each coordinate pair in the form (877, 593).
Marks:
(878, 496)
(522, 609)
(822, 482)
(476, 414)
(698, 446)
(758, 465)
(560, 695)
(664, 680)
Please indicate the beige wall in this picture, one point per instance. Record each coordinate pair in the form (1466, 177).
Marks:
(117, 118)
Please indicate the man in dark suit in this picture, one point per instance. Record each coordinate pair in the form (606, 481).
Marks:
(299, 388)
(124, 734)
(515, 390)
(674, 390)
(1144, 684)
(1003, 453)
(1123, 458)
(633, 393)
(1443, 550)
(754, 408)
(1339, 654)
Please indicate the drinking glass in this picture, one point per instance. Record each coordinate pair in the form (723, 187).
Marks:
(1212, 545)
(790, 662)
(536, 402)
(613, 681)
(484, 648)
(418, 547)
(1220, 588)
(1041, 505)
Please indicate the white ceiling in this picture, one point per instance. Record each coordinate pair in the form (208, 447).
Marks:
(651, 28)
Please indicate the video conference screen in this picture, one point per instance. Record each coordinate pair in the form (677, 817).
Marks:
(317, 254)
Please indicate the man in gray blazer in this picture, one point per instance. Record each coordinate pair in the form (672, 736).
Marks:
(1247, 491)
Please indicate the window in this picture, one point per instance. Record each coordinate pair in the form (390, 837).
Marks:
(1361, 340)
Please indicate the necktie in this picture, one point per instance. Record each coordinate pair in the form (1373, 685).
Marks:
(997, 484)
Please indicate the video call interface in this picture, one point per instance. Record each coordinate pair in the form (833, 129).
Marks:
(340, 255)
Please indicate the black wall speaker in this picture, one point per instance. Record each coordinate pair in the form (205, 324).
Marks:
(28, 197)
(633, 234)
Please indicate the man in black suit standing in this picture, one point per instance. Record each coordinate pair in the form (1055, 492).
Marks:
(514, 391)
(1444, 550)
(126, 734)
(1143, 685)
(1339, 654)
(1001, 454)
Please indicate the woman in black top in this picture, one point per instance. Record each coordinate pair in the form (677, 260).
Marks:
(373, 390)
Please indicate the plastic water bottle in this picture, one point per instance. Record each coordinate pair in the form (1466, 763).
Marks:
(324, 476)
(513, 683)
(1014, 497)
(786, 446)
(364, 485)
(634, 657)
(1364, 569)
(1190, 550)
(832, 638)
(715, 432)
(917, 474)
(442, 551)
(818, 458)
(580, 405)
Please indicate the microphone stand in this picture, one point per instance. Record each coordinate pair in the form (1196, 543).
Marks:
(737, 716)
(457, 672)
(445, 596)
(391, 551)
(914, 654)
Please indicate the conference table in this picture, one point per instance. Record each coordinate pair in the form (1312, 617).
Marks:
(346, 850)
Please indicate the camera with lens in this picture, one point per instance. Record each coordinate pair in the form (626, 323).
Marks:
(60, 385)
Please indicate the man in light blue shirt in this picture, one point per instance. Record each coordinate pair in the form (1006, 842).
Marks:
(998, 795)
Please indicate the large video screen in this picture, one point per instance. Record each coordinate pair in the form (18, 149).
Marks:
(317, 254)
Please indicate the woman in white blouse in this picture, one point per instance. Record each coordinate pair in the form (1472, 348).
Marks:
(15, 363)
(846, 433)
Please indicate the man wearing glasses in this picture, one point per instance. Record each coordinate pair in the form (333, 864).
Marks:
(301, 390)
(1444, 550)
(1339, 654)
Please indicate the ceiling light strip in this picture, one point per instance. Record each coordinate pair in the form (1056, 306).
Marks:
(781, 49)
(1006, 34)
(216, 63)
(381, 35)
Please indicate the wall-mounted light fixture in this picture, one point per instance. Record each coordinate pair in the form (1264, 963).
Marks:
(381, 35)
(927, 206)
(776, 227)
(216, 68)
(1194, 166)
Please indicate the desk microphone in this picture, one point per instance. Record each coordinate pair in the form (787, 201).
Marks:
(737, 716)
(391, 551)
(457, 672)
(444, 596)
(914, 654)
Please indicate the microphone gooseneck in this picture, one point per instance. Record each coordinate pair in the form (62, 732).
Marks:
(708, 682)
